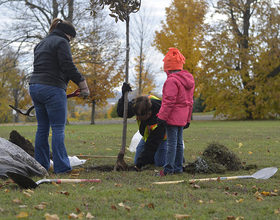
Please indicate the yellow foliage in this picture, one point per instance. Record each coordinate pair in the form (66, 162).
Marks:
(240, 70)
(183, 29)
(144, 81)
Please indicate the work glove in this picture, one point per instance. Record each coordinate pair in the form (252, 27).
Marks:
(161, 123)
(126, 88)
(84, 89)
(187, 125)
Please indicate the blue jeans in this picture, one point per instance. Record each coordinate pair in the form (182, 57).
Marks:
(159, 157)
(175, 150)
(51, 111)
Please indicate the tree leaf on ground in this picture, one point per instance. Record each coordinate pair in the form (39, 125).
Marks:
(22, 215)
(51, 217)
(178, 216)
(89, 216)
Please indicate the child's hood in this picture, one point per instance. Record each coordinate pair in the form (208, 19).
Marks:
(184, 77)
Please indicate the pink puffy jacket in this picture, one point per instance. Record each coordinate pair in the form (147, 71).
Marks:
(177, 98)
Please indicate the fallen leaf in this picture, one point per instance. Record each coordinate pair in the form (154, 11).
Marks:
(211, 201)
(113, 207)
(72, 216)
(65, 193)
(196, 186)
(16, 201)
(265, 193)
(240, 145)
(89, 216)
(200, 201)
(78, 210)
(118, 184)
(178, 216)
(151, 205)
(51, 217)
(230, 218)
(142, 189)
(81, 215)
(240, 200)
(22, 215)
(259, 198)
(29, 191)
(257, 194)
(40, 207)
(27, 194)
(250, 152)
(124, 206)
(257, 188)
(273, 194)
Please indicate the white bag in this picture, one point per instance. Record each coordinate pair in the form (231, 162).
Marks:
(74, 161)
(135, 141)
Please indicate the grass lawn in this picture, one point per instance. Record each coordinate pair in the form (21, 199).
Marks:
(131, 195)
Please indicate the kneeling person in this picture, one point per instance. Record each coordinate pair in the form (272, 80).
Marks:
(152, 147)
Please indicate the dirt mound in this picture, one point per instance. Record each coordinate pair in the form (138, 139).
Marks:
(23, 143)
(215, 159)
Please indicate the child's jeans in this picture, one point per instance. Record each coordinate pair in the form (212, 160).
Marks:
(175, 150)
(160, 155)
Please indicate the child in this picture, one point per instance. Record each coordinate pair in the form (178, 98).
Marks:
(176, 109)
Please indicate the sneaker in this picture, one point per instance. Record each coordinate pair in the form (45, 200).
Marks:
(162, 173)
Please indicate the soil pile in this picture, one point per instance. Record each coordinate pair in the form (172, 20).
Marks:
(215, 159)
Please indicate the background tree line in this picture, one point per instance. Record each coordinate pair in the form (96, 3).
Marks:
(231, 48)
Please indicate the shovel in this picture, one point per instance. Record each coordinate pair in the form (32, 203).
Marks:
(262, 174)
(27, 183)
(27, 112)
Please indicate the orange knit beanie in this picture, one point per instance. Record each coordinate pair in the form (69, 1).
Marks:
(173, 60)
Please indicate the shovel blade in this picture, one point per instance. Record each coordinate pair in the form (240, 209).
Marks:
(23, 181)
(265, 173)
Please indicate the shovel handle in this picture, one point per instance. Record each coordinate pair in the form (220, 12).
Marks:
(194, 180)
(215, 179)
(58, 181)
(73, 94)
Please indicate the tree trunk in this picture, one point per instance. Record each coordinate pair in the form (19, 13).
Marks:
(93, 112)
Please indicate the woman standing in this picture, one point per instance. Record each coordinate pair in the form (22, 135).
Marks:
(53, 69)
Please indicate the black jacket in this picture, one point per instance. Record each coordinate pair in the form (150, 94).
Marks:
(53, 64)
(156, 136)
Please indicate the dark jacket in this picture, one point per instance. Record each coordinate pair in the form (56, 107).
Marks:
(53, 64)
(156, 135)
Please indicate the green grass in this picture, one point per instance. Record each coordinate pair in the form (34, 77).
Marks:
(213, 200)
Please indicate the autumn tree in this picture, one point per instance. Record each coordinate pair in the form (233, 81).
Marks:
(31, 25)
(240, 76)
(13, 87)
(142, 25)
(100, 60)
(183, 29)
(144, 80)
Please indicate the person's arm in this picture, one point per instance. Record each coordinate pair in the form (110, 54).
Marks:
(151, 146)
(66, 63)
(120, 108)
